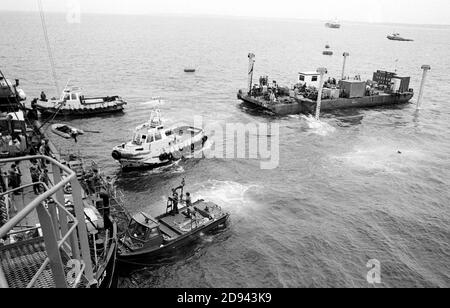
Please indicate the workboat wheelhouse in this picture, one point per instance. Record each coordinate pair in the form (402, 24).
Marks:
(153, 145)
(73, 103)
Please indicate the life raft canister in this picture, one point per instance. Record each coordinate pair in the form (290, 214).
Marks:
(116, 155)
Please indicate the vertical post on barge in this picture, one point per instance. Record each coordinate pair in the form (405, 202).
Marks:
(346, 54)
(425, 69)
(251, 64)
(322, 71)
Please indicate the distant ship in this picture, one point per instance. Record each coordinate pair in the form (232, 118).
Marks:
(397, 37)
(333, 25)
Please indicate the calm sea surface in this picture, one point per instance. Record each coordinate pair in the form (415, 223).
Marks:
(342, 194)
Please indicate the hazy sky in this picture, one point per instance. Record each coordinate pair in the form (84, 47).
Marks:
(396, 11)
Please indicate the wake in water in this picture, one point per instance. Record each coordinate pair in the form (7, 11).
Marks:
(231, 196)
(316, 127)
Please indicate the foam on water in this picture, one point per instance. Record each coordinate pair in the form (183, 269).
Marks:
(316, 127)
(382, 157)
(231, 196)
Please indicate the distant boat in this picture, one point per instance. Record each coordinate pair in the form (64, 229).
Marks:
(327, 51)
(333, 25)
(397, 37)
(190, 70)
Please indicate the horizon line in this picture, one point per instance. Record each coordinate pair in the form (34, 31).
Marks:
(232, 17)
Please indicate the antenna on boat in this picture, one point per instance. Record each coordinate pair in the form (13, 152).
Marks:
(251, 65)
(346, 54)
(49, 50)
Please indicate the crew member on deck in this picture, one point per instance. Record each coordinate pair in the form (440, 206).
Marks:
(43, 96)
(175, 202)
(190, 211)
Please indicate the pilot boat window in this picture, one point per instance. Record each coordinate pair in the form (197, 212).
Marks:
(314, 78)
(158, 136)
(150, 139)
(144, 138)
(137, 139)
(74, 97)
(67, 97)
(302, 78)
(154, 233)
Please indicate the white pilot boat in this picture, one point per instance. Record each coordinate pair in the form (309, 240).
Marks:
(153, 145)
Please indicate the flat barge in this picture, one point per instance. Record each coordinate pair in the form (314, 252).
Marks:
(308, 106)
(385, 89)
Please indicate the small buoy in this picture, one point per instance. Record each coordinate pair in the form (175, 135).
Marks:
(399, 152)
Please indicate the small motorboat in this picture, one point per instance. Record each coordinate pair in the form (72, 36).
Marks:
(66, 131)
(333, 25)
(148, 238)
(73, 103)
(154, 146)
(327, 51)
(190, 70)
(397, 37)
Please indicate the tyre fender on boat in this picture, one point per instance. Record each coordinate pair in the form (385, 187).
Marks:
(116, 155)
(163, 157)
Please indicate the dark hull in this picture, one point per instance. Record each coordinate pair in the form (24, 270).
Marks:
(150, 257)
(50, 112)
(306, 106)
(108, 277)
(399, 39)
(333, 26)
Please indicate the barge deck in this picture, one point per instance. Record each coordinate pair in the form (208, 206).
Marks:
(294, 106)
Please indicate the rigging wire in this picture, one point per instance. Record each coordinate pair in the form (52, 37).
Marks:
(49, 50)
(52, 60)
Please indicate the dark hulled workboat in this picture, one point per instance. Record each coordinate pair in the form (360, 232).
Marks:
(148, 238)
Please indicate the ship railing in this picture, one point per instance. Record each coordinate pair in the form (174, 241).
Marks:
(64, 234)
